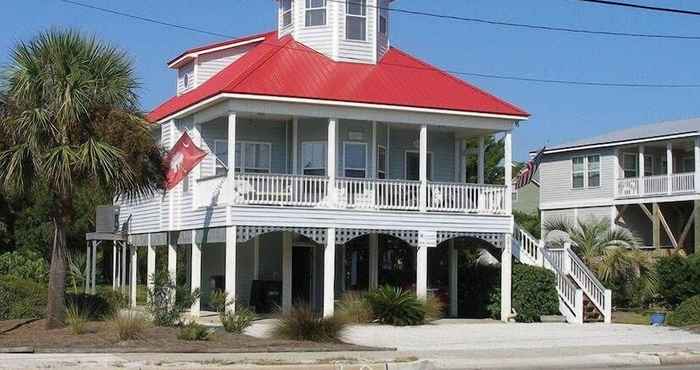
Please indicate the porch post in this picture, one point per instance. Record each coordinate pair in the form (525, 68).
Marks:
(482, 160)
(422, 272)
(508, 170)
(641, 170)
(132, 272)
(123, 265)
(373, 261)
(506, 271)
(87, 268)
(423, 158)
(669, 167)
(373, 164)
(616, 173)
(287, 250)
(329, 274)
(196, 272)
(114, 265)
(150, 262)
(453, 279)
(117, 266)
(230, 269)
(231, 158)
(331, 165)
(93, 269)
(295, 148)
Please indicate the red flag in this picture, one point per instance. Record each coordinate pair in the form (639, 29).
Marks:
(181, 159)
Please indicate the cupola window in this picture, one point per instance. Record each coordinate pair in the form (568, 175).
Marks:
(315, 13)
(356, 20)
(286, 13)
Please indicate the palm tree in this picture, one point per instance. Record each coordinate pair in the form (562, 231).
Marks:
(66, 97)
(612, 253)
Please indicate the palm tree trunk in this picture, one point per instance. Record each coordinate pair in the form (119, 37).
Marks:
(56, 307)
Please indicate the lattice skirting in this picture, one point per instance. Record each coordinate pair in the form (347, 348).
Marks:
(343, 236)
(245, 233)
(494, 238)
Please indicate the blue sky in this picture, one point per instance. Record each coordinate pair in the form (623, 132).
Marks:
(560, 113)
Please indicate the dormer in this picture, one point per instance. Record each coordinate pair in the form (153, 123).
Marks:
(344, 30)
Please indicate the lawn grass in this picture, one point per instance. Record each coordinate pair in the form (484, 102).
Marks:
(632, 317)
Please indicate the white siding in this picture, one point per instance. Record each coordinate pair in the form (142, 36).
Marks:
(186, 71)
(212, 63)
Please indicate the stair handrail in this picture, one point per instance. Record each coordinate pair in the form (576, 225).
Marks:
(528, 243)
(567, 289)
(594, 289)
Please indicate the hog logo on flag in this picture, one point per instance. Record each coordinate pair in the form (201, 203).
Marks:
(181, 159)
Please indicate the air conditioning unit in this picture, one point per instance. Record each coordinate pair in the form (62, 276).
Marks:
(107, 219)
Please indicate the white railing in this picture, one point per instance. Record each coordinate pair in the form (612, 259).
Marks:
(529, 247)
(378, 194)
(569, 293)
(678, 183)
(593, 288)
(683, 182)
(654, 185)
(280, 190)
(628, 187)
(468, 198)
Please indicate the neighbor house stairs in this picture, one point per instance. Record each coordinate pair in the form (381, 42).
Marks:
(582, 297)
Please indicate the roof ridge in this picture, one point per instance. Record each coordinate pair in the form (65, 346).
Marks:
(458, 80)
(260, 62)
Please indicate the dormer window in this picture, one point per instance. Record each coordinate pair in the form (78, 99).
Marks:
(286, 13)
(356, 20)
(315, 13)
(383, 25)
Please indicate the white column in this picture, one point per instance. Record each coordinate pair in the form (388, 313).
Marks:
(231, 174)
(172, 255)
(373, 261)
(114, 266)
(287, 250)
(150, 262)
(616, 170)
(506, 282)
(118, 266)
(93, 270)
(508, 170)
(669, 166)
(453, 279)
(295, 147)
(132, 273)
(329, 273)
(422, 272)
(481, 161)
(697, 167)
(373, 165)
(87, 268)
(196, 272)
(641, 170)
(230, 269)
(423, 156)
(331, 164)
(123, 265)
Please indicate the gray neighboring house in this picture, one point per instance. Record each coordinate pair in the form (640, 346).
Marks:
(645, 179)
(527, 198)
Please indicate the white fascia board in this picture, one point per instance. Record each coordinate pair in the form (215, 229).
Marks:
(212, 50)
(621, 143)
(332, 103)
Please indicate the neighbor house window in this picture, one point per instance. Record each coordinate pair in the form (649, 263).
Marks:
(381, 162)
(578, 172)
(286, 13)
(315, 13)
(355, 159)
(593, 171)
(356, 20)
(585, 172)
(313, 158)
(630, 165)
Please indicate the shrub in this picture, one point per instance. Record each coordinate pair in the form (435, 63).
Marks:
(434, 308)
(194, 332)
(678, 278)
(99, 306)
(687, 313)
(76, 320)
(353, 307)
(129, 325)
(236, 322)
(395, 306)
(301, 323)
(115, 300)
(534, 294)
(24, 266)
(22, 299)
(219, 301)
(166, 302)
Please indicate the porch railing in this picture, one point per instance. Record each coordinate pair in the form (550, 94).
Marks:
(678, 183)
(280, 190)
(469, 198)
(378, 194)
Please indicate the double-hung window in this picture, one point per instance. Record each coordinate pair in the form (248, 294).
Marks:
(286, 6)
(381, 162)
(585, 172)
(315, 13)
(314, 158)
(356, 20)
(630, 164)
(355, 159)
(255, 156)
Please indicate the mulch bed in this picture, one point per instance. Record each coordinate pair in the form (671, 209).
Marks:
(102, 338)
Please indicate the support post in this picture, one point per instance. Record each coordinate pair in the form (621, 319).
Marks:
(231, 158)
(124, 278)
(453, 263)
(373, 261)
(87, 268)
(508, 171)
(150, 262)
(616, 171)
(607, 315)
(422, 272)
(423, 158)
(230, 269)
(196, 272)
(93, 269)
(642, 191)
(118, 266)
(172, 259)
(329, 274)
(373, 165)
(331, 163)
(132, 273)
(506, 276)
(287, 250)
(656, 225)
(114, 265)
(482, 160)
(669, 167)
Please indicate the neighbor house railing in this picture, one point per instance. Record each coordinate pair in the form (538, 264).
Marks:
(678, 183)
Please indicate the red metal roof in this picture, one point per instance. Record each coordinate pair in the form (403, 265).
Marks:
(286, 68)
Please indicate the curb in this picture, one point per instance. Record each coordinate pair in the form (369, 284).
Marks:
(679, 358)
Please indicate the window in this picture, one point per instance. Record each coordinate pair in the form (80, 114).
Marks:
(630, 165)
(286, 12)
(648, 165)
(355, 159)
(221, 156)
(356, 20)
(256, 157)
(383, 25)
(579, 172)
(186, 81)
(315, 13)
(313, 158)
(593, 171)
(413, 165)
(381, 162)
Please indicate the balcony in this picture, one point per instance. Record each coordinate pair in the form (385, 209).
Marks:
(351, 194)
(649, 186)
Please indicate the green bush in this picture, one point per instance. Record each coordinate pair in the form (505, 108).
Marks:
(534, 294)
(353, 307)
(395, 306)
(301, 323)
(687, 313)
(678, 278)
(193, 331)
(236, 322)
(166, 302)
(25, 266)
(22, 299)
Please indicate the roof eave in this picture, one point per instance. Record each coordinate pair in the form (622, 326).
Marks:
(619, 142)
